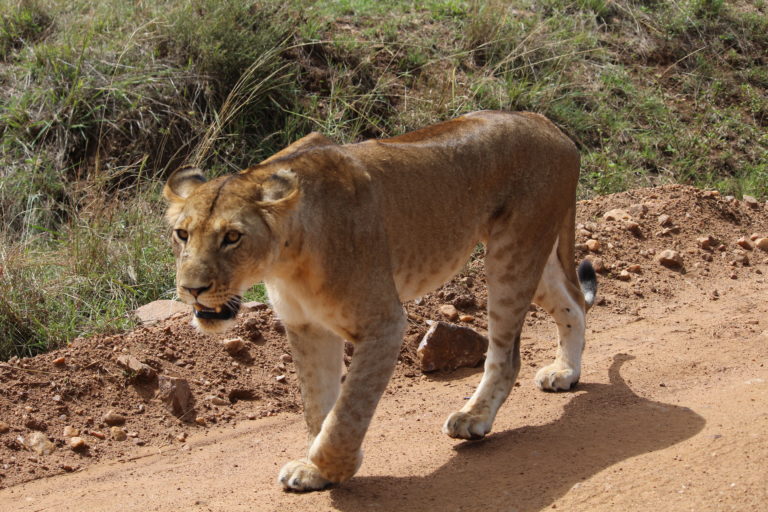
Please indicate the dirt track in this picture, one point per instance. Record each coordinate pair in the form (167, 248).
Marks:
(671, 414)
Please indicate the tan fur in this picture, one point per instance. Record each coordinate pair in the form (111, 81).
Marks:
(342, 235)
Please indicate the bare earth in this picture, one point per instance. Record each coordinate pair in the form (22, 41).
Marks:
(671, 412)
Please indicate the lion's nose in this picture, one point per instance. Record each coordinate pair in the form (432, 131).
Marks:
(196, 291)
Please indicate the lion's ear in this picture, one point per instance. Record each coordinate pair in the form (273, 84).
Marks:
(182, 183)
(279, 187)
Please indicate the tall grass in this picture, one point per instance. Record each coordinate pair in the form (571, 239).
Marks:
(100, 100)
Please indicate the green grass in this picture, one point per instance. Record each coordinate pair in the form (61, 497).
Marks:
(99, 101)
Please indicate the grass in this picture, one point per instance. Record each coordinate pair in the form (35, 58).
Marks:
(100, 100)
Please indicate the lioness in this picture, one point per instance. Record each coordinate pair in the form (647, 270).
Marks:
(342, 235)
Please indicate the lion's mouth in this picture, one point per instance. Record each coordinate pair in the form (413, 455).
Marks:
(226, 311)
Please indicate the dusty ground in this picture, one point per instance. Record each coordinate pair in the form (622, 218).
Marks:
(671, 412)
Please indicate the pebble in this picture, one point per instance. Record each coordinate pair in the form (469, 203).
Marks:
(616, 214)
(77, 443)
(467, 318)
(670, 258)
(70, 431)
(635, 269)
(449, 311)
(599, 265)
(181, 437)
(762, 243)
(745, 243)
(97, 434)
(113, 418)
(593, 245)
(706, 242)
(750, 201)
(176, 395)
(447, 347)
(118, 434)
(133, 365)
(633, 227)
(280, 378)
(286, 358)
(216, 400)
(59, 361)
(233, 345)
(4, 427)
(200, 420)
(624, 276)
(663, 219)
(754, 236)
(39, 443)
(638, 210)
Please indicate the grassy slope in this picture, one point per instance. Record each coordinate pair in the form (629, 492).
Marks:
(100, 99)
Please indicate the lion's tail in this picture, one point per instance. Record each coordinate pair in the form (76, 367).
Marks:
(588, 282)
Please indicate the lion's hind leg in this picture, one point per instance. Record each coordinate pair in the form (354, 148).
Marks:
(562, 298)
(512, 276)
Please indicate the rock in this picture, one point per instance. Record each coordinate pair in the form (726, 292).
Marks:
(624, 276)
(4, 427)
(663, 219)
(466, 318)
(638, 210)
(253, 331)
(233, 345)
(254, 306)
(710, 194)
(118, 434)
(39, 443)
(35, 424)
(670, 259)
(280, 378)
(160, 310)
(745, 243)
(762, 243)
(447, 347)
(97, 434)
(616, 214)
(215, 400)
(59, 361)
(175, 394)
(449, 311)
(70, 431)
(599, 265)
(635, 269)
(77, 443)
(593, 245)
(633, 227)
(286, 358)
(706, 242)
(140, 371)
(464, 302)
(113, 418)
(750, 201)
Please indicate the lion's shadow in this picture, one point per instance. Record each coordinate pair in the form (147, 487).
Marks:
(528, 468)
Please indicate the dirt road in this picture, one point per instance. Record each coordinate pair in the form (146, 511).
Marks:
(671, 414)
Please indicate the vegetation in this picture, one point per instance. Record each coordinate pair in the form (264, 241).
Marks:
(100, 100)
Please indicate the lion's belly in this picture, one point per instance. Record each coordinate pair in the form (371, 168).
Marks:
(418, 274)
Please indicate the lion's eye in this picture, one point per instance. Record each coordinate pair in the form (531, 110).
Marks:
(182, 234)
(232, 237)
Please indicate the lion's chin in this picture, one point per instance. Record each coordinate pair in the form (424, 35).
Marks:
(212, 326)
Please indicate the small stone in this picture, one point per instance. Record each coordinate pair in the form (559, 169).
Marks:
(750, 201)
(280, 378)
(710, 194)
(39, 443)
(113, 418)
(745, 243)
(139, 370)
(635, 269)
(447, 347)
(638, 210)
(59, 361)
(762, 243)
(200, 420)
(616, 214)
(215, 400)
(599, 265)
(70, 431)
(593, 245)
(754, 236)
(663, 219)
(77, 443)
(97, 434)
(466, 318)
(118, 434)
(4, 427)
(706, 242)
(233, 345)
(176, 395)
(624, 276)
(449, 311)
(633, 227)
(670, 259)
(286, 358)
(160, 310)
(583, 232)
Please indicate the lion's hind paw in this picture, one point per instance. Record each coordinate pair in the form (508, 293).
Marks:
(302, 476)
(462, 425)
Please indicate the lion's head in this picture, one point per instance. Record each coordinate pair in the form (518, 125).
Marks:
(226, 232)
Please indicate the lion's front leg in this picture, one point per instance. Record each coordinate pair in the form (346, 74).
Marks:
(318, 355)
(336, 450)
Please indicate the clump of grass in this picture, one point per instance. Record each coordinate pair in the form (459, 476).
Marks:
(21, 24)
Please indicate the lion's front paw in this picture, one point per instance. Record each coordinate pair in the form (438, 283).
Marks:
(302, 476)
(462, 425)
(556, 378)
(337, 465)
